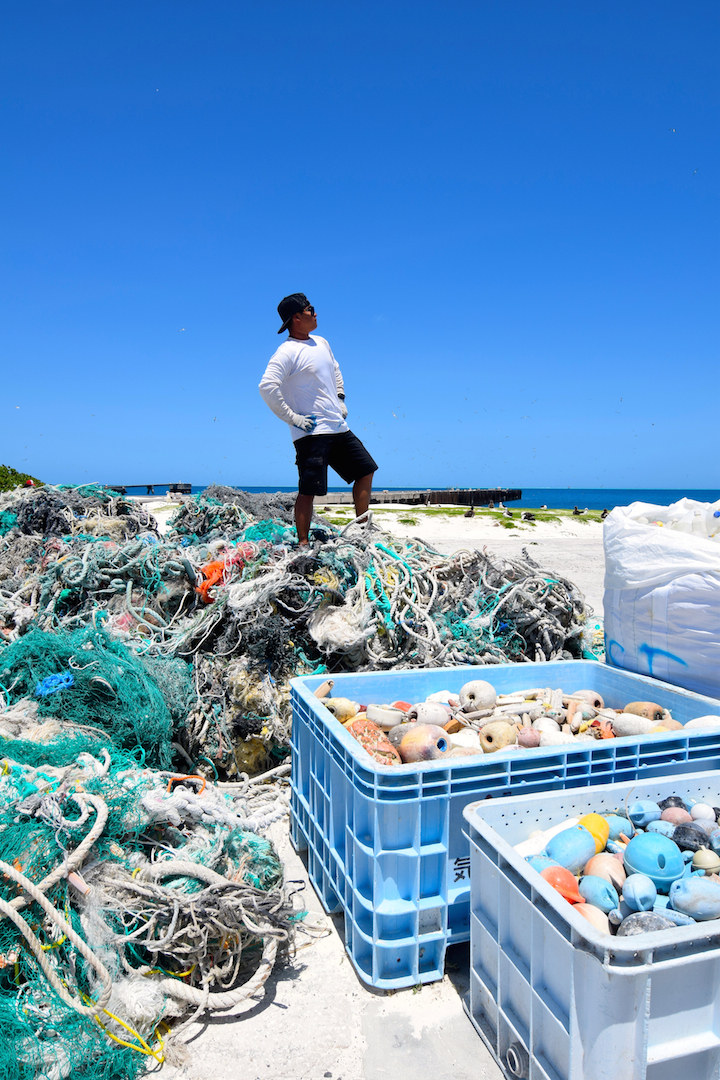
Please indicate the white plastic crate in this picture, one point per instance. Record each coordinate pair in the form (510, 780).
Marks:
(574, 1003)
(386, 845)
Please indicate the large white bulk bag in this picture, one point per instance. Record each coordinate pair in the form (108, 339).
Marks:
(662, 592)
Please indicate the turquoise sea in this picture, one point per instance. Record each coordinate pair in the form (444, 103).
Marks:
(556, 498)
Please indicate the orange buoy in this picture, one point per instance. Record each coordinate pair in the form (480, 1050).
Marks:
(374, 740)
(563, 882)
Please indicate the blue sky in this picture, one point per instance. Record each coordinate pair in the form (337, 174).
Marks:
(504, 212)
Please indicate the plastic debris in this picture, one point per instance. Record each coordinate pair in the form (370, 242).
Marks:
(135, 671)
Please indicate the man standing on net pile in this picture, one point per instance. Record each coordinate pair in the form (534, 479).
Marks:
(304, 387)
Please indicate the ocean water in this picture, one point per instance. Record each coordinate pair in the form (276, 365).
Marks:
(554, 498)
(607, 498)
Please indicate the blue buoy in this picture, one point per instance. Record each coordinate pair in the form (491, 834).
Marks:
(639, 892)
(675, 916)
(540, 862)
(665, 828)
(571, 848)
(698, 897)
(615, 917)
(624, 909)
(658, 857)
(619, 824)
(598, 892)
(643, 812)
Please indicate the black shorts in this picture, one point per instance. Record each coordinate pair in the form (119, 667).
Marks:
(342, 452)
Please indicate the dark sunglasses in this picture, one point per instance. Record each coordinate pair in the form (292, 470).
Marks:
(309, 309)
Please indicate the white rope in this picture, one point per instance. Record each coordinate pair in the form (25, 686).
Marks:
(76, 857)
(10, 912)
(226, 1000)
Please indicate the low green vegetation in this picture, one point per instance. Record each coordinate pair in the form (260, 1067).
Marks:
(337, 515)
(334, 515)
(11, 478)
(426, 511)
(539, 515)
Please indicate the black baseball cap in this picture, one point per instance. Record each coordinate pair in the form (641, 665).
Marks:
(291, 305)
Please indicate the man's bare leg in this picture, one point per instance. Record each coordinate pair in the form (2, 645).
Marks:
(362, 489)
(303, 517)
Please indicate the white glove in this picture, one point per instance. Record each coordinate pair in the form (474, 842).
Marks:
(343, 409)
(305, 423)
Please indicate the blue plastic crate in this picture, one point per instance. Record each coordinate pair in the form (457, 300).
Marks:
(571, 1002)
(386, 845)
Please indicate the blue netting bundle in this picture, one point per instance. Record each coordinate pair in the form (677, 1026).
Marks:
(52, 683)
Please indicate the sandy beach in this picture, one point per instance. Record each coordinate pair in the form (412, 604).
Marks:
(317, 1020)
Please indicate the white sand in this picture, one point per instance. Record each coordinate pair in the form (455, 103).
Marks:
(162, 507)
(437, 523)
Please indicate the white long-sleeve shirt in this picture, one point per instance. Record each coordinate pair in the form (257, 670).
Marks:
(303, 377)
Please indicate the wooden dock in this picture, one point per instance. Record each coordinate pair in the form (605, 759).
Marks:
(173, 489)
(447, 497)
(428, 497)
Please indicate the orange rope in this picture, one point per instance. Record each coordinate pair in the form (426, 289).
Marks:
(186, 776)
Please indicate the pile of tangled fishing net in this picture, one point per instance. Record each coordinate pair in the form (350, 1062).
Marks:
(89, 510)
(223, 513)
(129, 898)
(89, 676)
(216, 617)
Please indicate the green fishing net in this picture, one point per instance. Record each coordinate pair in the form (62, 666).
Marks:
(99, 682)
(260, 863)
(275, 532)
(57, 1042)
(91, 491)
(8, 521)
(173, 678)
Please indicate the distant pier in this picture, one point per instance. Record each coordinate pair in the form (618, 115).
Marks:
(448, 496)
(428, 497)
(173, 489)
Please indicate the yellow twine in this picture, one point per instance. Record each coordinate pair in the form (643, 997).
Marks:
(327, 579)
(143, 1048)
